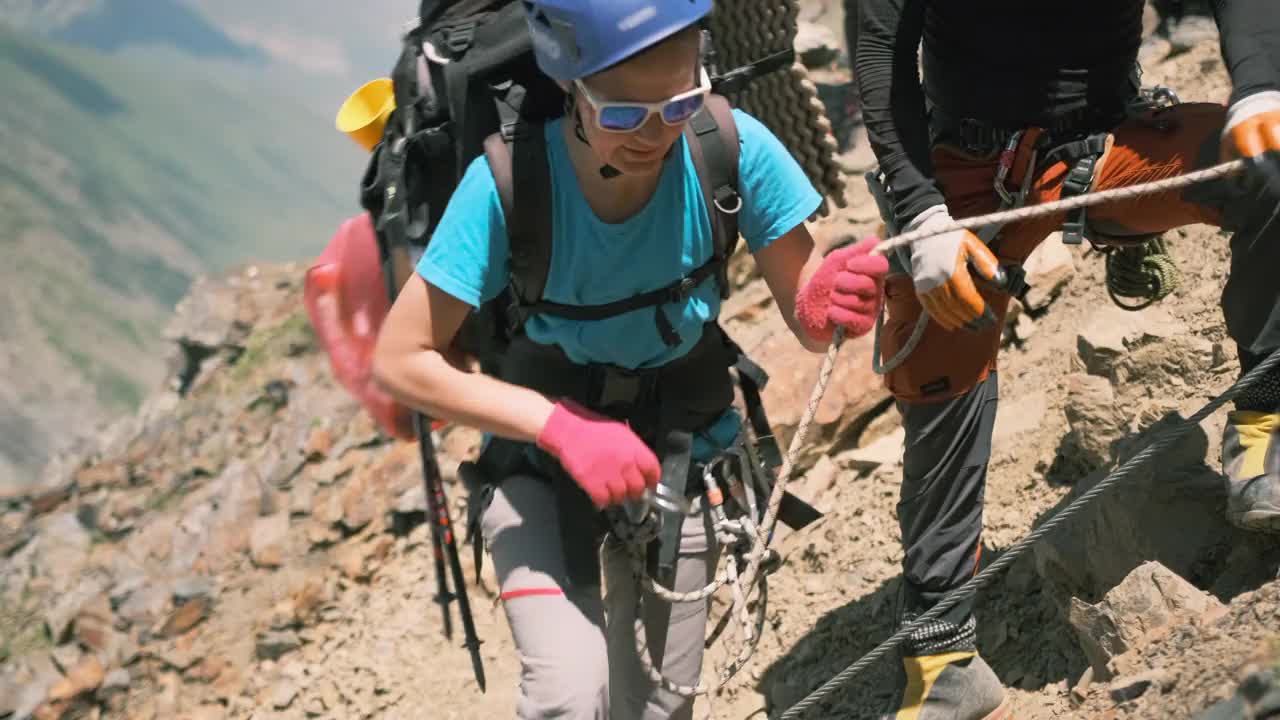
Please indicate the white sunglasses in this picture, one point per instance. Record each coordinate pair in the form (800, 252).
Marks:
(623, 116)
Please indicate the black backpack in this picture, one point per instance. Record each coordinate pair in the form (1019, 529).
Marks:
(466, 83)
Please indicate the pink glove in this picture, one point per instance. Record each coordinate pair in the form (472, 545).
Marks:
(845, 291)
(601, 454)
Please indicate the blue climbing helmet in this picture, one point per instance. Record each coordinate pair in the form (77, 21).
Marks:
(575, 38)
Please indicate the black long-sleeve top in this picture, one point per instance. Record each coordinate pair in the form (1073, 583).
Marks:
(1016, 64)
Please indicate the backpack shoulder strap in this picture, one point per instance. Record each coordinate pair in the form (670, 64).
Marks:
(713, 143)
(522, 163)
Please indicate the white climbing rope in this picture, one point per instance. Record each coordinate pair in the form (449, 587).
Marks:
(750, 569)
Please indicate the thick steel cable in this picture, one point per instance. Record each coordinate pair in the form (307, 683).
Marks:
(1162, 442)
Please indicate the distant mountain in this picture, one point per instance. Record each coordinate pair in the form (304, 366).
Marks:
(344, 40)
(115, 24)
(123, 177)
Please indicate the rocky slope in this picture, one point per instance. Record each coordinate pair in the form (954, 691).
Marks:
(248, 545)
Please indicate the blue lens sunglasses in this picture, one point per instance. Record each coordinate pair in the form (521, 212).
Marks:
(623, 116)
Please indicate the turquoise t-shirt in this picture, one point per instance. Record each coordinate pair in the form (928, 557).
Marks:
(594, 262)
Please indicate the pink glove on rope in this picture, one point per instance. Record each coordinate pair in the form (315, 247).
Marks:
(602, 455)
(845, 291)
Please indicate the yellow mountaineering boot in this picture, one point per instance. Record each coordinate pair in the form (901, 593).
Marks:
(949, 686)
(1251, 461)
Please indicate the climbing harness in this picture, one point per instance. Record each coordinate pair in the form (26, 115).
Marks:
(751, 559)
(732, 481)
(1135, 268)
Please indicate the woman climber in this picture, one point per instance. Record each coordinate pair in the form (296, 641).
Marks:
(593, 404)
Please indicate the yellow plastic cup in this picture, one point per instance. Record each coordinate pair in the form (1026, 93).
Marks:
(364, 114)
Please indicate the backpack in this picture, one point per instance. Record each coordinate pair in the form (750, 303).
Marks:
(465, 84)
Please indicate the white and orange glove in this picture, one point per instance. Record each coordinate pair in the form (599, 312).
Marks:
(1253, 131)
(940, 271)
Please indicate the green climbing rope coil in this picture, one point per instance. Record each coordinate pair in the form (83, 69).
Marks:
(1143, 272)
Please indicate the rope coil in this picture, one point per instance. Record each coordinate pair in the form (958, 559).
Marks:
(1146, 272)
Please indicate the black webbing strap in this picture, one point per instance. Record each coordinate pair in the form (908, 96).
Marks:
(677, 455)
(675, 292)
(751, 379)
(713, 144)
(521, 162)
(1081, 157)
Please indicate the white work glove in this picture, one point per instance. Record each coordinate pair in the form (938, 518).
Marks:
(940, 271)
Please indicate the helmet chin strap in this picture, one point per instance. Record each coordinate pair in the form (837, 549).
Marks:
(607, 171)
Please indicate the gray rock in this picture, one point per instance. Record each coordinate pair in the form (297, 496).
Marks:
(127, 581)
(411, 501)
(267, 543)
(1049, 269)
(202, 324)
(10, 689)
(1171, 513)
(66, 657)
(816, 45)
(66, 606)
(145, 604)
(62, 550)
(1149, 599)
(883, 451)
(283, 694)
(1092, 417)
(114, 681)
(1132, 687)
(275, 644)
(1112, 332)
(31, 693)
(302, 496)
(191, 587)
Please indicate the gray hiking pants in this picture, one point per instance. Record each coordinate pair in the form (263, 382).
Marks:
(577, 647)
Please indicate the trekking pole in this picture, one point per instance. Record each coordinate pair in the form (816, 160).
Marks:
(443, 597)
(443, 537)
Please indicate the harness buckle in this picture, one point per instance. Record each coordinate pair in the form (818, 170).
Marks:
(612, 386)
(727, 200)
(461, 36)
(1078, 181)
(681, 290)
(1005, 166)
(514, 315)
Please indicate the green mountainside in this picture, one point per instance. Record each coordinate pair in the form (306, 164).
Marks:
(122, 179)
